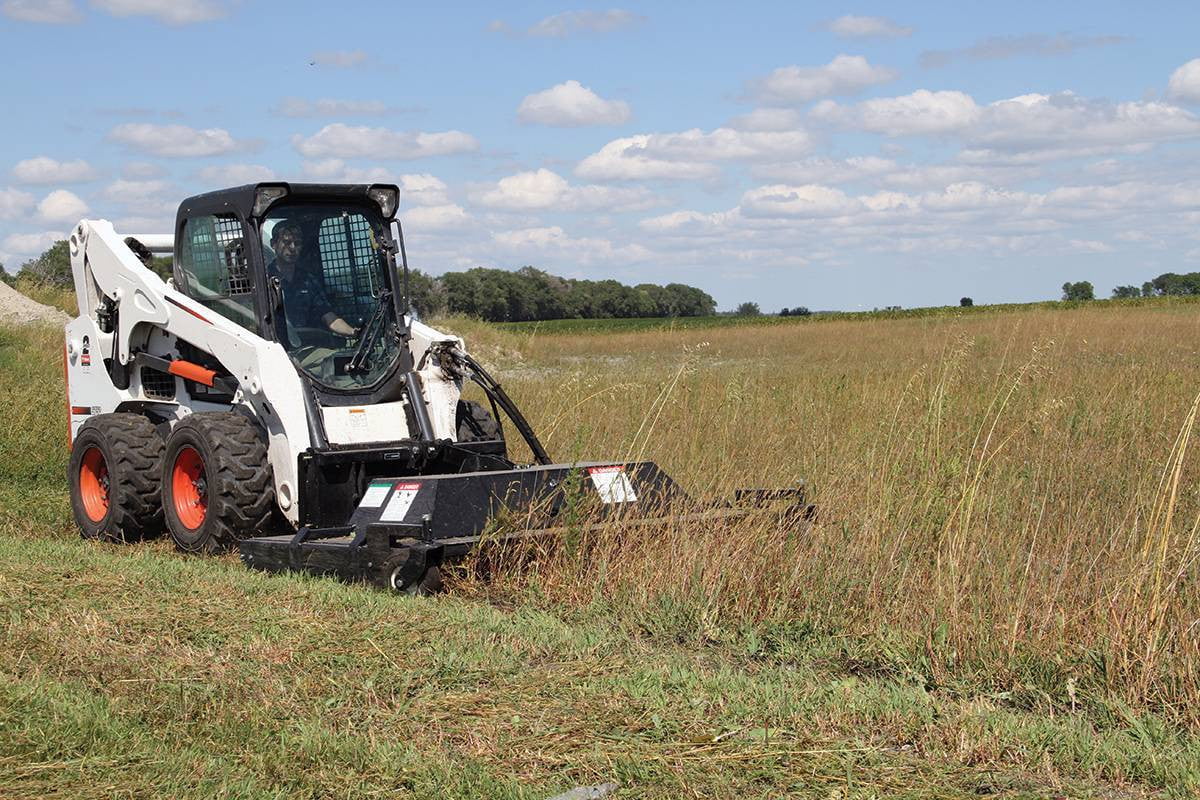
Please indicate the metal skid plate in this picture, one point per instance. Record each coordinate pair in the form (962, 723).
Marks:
(435, 517)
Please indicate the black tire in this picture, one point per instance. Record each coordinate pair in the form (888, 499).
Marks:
(128, 451)
(233, 487)
(476, 423)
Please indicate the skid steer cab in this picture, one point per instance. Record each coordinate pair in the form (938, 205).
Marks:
(275, 394)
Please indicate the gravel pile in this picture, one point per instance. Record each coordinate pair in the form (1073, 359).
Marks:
(17, 309)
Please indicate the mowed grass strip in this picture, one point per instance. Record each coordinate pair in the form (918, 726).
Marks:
(131, 671)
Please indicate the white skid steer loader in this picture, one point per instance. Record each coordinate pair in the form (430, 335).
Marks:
(277, 395)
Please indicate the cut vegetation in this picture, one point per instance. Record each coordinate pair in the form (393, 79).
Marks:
(999, 595)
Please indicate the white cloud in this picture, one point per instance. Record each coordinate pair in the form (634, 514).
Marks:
(46, 170)
(853, 27)
(568, 23)
(341, 59)
(1032, 127)
(62, 206)
(31, 243)
(416, 189)
(1185, 82)
(689, 154)
(177, 141)
(346, 141)
(920, 113)
(224, 175)
(434, 218)
(843, 75)
(51, 12)
(1090, 246)
(329, 107)
(14, 203)
(797, 201)
(570, 104)
(145, 197)
(544, 189)
(826, 170)
(553, 241)
(423, 189)
(171, 12)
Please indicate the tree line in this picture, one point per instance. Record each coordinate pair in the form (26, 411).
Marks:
(528, 294)
(495, 295)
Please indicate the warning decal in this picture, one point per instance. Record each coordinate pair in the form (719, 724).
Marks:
(612, 484)
(376, 493)
(401, 502)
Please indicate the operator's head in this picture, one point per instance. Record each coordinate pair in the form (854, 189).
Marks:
(287, 240)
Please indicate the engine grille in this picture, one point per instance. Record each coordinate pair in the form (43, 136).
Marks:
(157, 385)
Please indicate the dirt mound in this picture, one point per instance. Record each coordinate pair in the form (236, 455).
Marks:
(17, 309)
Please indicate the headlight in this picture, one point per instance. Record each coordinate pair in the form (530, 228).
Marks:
(264, 196)
(388, 198)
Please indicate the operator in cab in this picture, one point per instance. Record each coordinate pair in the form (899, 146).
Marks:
(304, 297)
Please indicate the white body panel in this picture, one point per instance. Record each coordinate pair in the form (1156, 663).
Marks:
(153, 313)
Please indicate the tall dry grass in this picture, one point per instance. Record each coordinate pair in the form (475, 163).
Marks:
(1008, 501)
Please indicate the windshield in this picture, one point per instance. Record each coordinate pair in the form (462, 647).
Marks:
(339, 321)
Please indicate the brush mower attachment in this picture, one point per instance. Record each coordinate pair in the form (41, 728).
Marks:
(404, 529)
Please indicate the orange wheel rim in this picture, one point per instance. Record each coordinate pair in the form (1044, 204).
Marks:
(93, 484)
(189, 489)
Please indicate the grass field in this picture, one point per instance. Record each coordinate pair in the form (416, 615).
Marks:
(999, 595)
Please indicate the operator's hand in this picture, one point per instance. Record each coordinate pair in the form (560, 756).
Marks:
(342, 328)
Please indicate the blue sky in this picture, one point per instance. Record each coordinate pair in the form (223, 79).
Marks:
(837, 157)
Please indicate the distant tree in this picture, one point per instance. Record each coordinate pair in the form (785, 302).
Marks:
(1081, 290)
(798, 311)
(747, 310)
(426, 293)
(53, 267)
(1126, 292)
(1148, 289)
(6, 277)
(966, 302)
(1174, 284)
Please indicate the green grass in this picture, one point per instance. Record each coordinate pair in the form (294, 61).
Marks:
(131, 671)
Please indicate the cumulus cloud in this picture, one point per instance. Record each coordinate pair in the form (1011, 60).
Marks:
(1033, 44)
(339, 59)
(689, 154)
(571, 104)
(142, 170)
(767, 119)
(175, 141)
(62, 206)
(1185, 82)
(841, 76)
(50, 12)
(223, 175)
(569, 23)
(1033, 127)
(339, 140)
(171, 12)
(46, 170)
(14, 203)
(416, 189)
(920, 113)
(552, 241)
(543, 189)
(31, 243)
(147, 197)
(797, 201)
(434, 218)
(855, 27)
(827, 170)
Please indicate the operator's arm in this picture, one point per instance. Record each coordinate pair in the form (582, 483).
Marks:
(337, 324)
